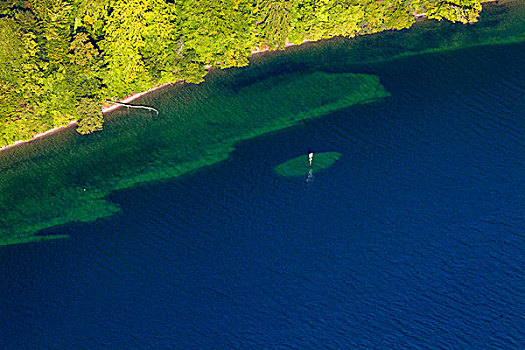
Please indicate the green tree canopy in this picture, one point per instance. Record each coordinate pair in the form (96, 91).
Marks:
(58, 54)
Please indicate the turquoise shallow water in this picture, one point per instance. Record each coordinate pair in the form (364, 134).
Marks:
(412, 239)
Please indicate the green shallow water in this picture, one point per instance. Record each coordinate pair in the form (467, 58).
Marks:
(67, 177)
(500, 23)
(300, 166)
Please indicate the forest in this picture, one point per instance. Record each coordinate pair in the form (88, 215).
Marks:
(61, 59)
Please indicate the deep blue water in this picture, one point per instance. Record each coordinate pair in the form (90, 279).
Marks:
(413, 239)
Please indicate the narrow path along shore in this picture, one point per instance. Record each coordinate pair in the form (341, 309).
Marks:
(38, 136)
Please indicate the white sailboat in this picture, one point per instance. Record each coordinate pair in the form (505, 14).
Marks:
(310, 177)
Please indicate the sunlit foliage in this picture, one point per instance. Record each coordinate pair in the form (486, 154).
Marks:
(55, 54)
(90, 115)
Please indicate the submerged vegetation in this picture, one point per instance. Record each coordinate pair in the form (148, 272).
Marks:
(60, 59)
(300, 166)
(68, 177)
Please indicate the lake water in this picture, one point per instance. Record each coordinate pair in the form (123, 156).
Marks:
(414, 238)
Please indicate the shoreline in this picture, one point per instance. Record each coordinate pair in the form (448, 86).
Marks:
(40, 135)
(106, 108)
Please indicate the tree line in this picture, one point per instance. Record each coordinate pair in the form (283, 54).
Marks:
(60, 59)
